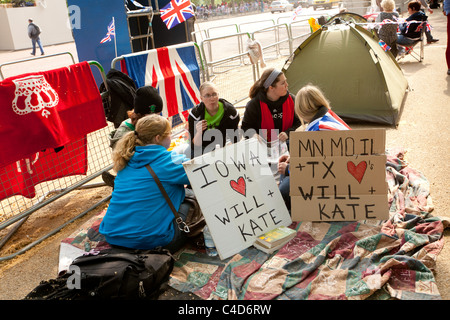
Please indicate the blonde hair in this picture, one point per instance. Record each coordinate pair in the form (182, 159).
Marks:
(308, 101)
(388, 5)
(147, 128)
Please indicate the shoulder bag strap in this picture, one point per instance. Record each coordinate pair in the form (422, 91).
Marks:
(181, 224)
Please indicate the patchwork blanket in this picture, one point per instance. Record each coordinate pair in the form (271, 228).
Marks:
(338, 260)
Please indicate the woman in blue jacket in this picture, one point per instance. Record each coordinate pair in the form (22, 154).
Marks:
(138, 217)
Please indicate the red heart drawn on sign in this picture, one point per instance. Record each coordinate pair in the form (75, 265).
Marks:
(357, 171)
(238, 186)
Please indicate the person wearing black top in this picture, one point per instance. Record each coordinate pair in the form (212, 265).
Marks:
(410, 30)
(270, 112)
(212, 122)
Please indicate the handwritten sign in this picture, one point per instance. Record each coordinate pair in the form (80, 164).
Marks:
(238, 195)
(338, 175)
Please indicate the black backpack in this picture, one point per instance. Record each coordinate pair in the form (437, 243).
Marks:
(111, 274)
(36, 30)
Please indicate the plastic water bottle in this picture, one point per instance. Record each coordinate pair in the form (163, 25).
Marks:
(209, 243)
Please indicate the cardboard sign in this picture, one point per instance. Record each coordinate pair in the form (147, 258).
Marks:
(238, 195)
(338, 175)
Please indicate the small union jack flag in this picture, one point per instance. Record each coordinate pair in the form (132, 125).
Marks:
(111, 32)
(176, 12)
(419, 28)
(384, 45)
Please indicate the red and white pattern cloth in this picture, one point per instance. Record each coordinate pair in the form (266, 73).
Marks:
(41, 112)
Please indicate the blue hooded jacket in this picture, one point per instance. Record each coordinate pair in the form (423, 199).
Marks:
(138, 215)
(410, 29)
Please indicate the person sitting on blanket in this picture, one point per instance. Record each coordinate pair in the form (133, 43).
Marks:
(147, 101)
(311, 107)
(211, 122)
(138, 217)
(271, 108)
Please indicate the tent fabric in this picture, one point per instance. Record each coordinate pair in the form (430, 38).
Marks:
(347, 16)
(362, 82)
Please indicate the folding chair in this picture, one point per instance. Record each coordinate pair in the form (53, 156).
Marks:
(409, 50)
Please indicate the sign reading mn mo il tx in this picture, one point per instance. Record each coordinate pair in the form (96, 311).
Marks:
(338, 175)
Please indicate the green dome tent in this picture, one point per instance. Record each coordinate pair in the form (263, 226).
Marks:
(362, 82)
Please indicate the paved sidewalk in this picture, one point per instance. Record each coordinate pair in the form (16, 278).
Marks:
(48, 61)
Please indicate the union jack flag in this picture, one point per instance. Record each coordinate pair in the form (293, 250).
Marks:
(384, 45)
(297, 13)
(173, 71)
(176, 12)
(329, 122)
(111, 32)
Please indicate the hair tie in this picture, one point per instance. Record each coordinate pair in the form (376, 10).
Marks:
(271, 78)
(136, 134)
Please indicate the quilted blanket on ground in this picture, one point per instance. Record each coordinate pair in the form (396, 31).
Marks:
(339, 260)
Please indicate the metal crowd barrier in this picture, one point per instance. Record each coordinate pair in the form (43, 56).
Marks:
(33, 59)
(232, 69)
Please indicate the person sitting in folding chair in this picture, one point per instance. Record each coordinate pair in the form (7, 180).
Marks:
(410, 31)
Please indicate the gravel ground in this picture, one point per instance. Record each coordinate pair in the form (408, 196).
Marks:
(423, 131)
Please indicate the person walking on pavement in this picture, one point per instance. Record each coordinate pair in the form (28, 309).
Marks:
(446, 11)
(33, 32)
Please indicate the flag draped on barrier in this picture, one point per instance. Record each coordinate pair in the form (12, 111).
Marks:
(173, 71)
(45, 113)
(19, 178)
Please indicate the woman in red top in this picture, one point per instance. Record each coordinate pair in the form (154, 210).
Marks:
(271, 108)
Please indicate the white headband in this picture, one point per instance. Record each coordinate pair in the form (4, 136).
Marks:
(273, 75)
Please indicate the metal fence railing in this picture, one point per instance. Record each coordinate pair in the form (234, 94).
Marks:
(232, 70)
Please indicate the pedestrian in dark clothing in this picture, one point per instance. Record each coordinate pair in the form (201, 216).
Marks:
(33, 32)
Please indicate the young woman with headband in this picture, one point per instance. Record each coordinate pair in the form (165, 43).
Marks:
(271, 107)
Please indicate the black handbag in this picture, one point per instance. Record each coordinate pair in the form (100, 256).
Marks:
(111, 274)
(195, 221)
